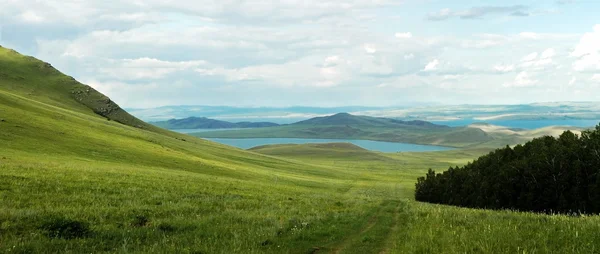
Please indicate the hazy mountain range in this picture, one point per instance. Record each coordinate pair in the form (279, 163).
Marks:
(537, 111)
(207, 123)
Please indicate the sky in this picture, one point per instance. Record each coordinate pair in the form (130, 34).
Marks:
(324, 53)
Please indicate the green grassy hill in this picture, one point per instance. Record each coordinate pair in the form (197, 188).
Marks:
(312, 152)
(145, 189)
(76, 179)
(39, 81)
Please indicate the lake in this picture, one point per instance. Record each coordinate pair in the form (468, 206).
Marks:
(387, 147)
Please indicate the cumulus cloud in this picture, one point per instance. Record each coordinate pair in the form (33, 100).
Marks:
(504, 68)
(147, 68)
(282, 52)
(548, 53)
(226, 11)
(587, 51)
(479, 12)
(523, 79)
(530, 57)
(370, 48)
(431, 66)
(31, 17)
(532, 61)
(572, 81)
(403, 35)
(305, 72)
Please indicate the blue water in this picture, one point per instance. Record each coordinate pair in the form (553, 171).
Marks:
(387, 147)
(523, 124)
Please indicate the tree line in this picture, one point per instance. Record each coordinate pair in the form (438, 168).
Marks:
(547, 174)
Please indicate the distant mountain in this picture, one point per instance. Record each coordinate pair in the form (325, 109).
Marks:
(207, 123)
(348, 126)
(241, 114)
(348, 119)
(255, 124)
(455, 115)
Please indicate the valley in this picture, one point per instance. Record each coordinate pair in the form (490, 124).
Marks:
(78, 174)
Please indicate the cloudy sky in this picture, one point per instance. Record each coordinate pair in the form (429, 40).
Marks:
(148, 53)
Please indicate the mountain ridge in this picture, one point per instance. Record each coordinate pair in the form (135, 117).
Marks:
(208, 123)
(348, 126)
(350, 119)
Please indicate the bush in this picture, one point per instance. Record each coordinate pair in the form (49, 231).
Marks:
(65, 228)
(140, 221)
(165, 227)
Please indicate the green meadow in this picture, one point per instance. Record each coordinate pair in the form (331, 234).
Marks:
(77, 178)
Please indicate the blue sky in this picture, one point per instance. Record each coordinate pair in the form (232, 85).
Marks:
(316, 52)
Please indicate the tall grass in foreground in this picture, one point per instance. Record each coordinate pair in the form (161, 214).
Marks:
(444, 229)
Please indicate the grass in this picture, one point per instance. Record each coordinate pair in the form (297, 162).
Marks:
(72, 181)
(443, 229)
(414, 227)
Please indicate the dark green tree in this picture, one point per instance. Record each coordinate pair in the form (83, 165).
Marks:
(547, 174)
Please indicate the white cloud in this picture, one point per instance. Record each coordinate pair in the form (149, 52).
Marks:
(146, 68)
(407, 35)
(441, 15)
(403, 82)
(332, 61)
(572, 82)
(548, 53)
(431, 65)
(523, 79)
(452, 77)
(231, 50)
(530, 57)
(240, 11)
(370, 48)
(587, 51)
(479, 12)
(540, 63)
(31, 17)
(532, 61)
(504, 68)
(529, 35)
(304, 72)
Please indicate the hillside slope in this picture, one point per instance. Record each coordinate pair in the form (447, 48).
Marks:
(34, 79)
(77, 178)
(312, 152)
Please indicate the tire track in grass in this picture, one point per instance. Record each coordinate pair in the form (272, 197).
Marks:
(375, 235)
(401, 218)
(372, 221)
